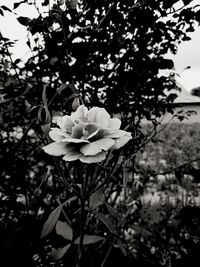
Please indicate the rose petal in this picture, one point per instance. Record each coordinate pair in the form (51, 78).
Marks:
(80, 114)
(94, 159)
(72, 155)
(115, 123)
(77, 131)
(56, 148)
(74, 140)
(105, 143)
(92, 113)
(99, 116)
(101, 133)
(90, 149)
(116, 134)
(55, 118)
(103, 119)
(121, 141)
(57, 134)
(97, 146)
(65, 123)
(91, 128)
(92, 136)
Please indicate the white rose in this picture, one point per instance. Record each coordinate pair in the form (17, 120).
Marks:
(86, 135)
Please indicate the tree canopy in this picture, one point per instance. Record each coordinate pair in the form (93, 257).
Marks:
(108, 51)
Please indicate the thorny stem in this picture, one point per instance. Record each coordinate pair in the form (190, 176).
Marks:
(82, 230)
(61, 174)
(107, 179)
(63, 178)
(125, 180)
(82, 217)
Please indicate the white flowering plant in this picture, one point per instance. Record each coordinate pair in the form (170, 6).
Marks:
(90, 144)
(86, 135)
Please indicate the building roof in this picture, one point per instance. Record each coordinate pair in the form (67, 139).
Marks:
(185, 97)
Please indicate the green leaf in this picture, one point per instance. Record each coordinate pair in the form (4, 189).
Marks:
(53, 218)
(51, 221)
(106, 221)
(112, 211)
(89, 239)
(63, 229)
(59, 253)
(96, 199)
(24, 21)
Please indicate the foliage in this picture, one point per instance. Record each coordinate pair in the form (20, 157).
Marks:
(196, 91)
(101, 53)
(167, 170)
(176, 145)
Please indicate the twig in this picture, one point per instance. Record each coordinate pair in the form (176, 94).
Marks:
(177, 167)
(11, 60)
(107, 254)
(152, 134)
(107, 179)
(105, 17)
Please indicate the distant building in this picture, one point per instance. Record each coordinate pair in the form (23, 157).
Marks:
(189, 104)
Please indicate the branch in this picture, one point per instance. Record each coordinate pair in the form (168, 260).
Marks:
(152, 134)
(106, 16)
(174, 11)
(178, 167)
(13, 65)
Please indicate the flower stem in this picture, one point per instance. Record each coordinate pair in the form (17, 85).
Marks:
(82, 216)
(63, 178)
(82, 231)
(107, 180)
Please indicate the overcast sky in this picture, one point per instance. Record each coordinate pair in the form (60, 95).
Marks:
(188, 52)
